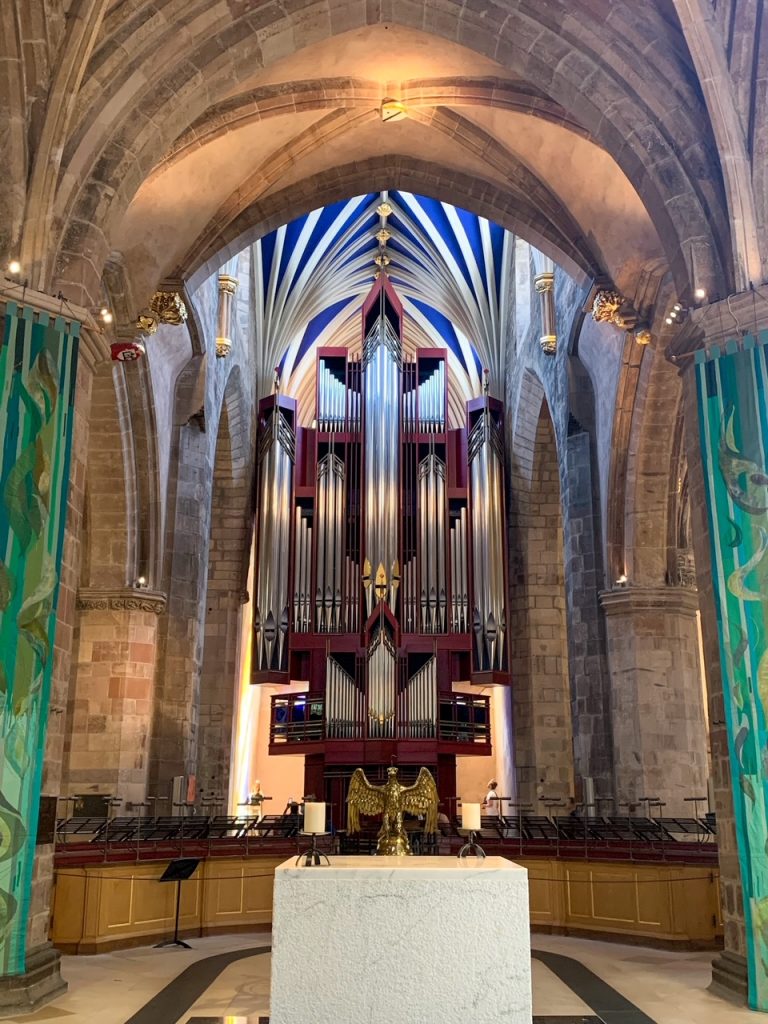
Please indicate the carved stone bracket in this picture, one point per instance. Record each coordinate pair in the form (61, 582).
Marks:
(123, 599)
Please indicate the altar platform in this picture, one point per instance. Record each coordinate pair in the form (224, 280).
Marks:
(436, 940)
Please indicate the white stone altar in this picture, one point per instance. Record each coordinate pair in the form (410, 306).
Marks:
(401, 940)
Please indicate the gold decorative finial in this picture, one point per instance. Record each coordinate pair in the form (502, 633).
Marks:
(382, 260)
(384, 209)
(383, 236)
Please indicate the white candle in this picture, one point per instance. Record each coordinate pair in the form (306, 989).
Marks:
(470, 817)
(314, 818)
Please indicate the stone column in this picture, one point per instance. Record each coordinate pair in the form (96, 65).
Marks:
(227, 289)
(110, 708)
(723, 326)
(42, 980)
(659, 731)
(545, 289)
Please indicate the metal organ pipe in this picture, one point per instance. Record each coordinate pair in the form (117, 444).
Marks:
(342, 702)
(271, 618)
(431, 499)
(381, 371)
(459, 572)
(417, 710)
(330, 539)
(382, 680)
(489, 622)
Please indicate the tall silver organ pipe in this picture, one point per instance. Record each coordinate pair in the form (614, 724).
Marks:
(331, 400)
(459, 601)
(330, 542)
(417, 703)
(382, 366)
(271, 615)
(382, 685)
(344, 703)
(487, 495)
(302, 573)
(432, 401)
(431, 503)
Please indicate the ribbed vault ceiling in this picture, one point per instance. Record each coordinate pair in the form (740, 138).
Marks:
(450, 267)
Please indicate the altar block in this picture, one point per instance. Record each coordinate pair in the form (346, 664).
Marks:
(412, 940)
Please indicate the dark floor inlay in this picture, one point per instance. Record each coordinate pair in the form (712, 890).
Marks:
(185, 989)
(609, 1005)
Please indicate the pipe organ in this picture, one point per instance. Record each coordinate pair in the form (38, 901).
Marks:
(381, 564)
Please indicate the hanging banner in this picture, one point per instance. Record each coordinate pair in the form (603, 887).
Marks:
(38, 364)
(732, 394)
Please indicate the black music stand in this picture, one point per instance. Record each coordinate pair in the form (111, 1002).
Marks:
(178, 871)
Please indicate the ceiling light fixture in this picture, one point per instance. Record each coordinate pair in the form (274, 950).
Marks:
(392, 110)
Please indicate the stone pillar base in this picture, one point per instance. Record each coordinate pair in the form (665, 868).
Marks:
(41, 982)
(729, 977)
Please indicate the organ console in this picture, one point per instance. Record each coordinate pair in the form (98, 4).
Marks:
(381, 561)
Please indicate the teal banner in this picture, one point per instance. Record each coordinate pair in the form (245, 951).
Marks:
(38, 363)
(732, 393)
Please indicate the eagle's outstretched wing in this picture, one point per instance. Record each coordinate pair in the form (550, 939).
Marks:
(362, 798)
(422, 798)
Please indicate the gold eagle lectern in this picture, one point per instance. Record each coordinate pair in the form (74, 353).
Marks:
(392, 801)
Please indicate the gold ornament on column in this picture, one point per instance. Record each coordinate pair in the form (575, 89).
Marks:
(227, 287)
(544, 284)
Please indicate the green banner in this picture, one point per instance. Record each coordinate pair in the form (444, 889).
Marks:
(732, 393)
(38, 363)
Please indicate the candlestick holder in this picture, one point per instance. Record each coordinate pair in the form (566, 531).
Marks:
(471, 848)
(313, 857)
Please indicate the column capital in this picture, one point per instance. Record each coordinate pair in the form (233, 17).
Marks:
(628, 600)
(718, 322)
(121, 599)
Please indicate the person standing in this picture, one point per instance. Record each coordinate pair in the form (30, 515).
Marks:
(491, 802)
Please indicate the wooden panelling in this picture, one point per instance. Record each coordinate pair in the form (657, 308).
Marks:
(109, 906)
(677, 903)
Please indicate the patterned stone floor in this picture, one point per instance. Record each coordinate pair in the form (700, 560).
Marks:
(225, 980)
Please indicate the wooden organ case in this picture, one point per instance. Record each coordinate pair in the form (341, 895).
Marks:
(381, 564)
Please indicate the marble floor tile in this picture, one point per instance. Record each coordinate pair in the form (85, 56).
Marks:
(669, 988)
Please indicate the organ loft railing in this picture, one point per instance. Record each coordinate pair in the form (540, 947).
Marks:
(301, 718)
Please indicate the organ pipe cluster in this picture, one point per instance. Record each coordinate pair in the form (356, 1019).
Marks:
(271, 620)
(486, 460)
(379, 524)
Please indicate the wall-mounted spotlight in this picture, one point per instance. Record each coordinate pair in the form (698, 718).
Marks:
(700, 294)
(14, 267)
